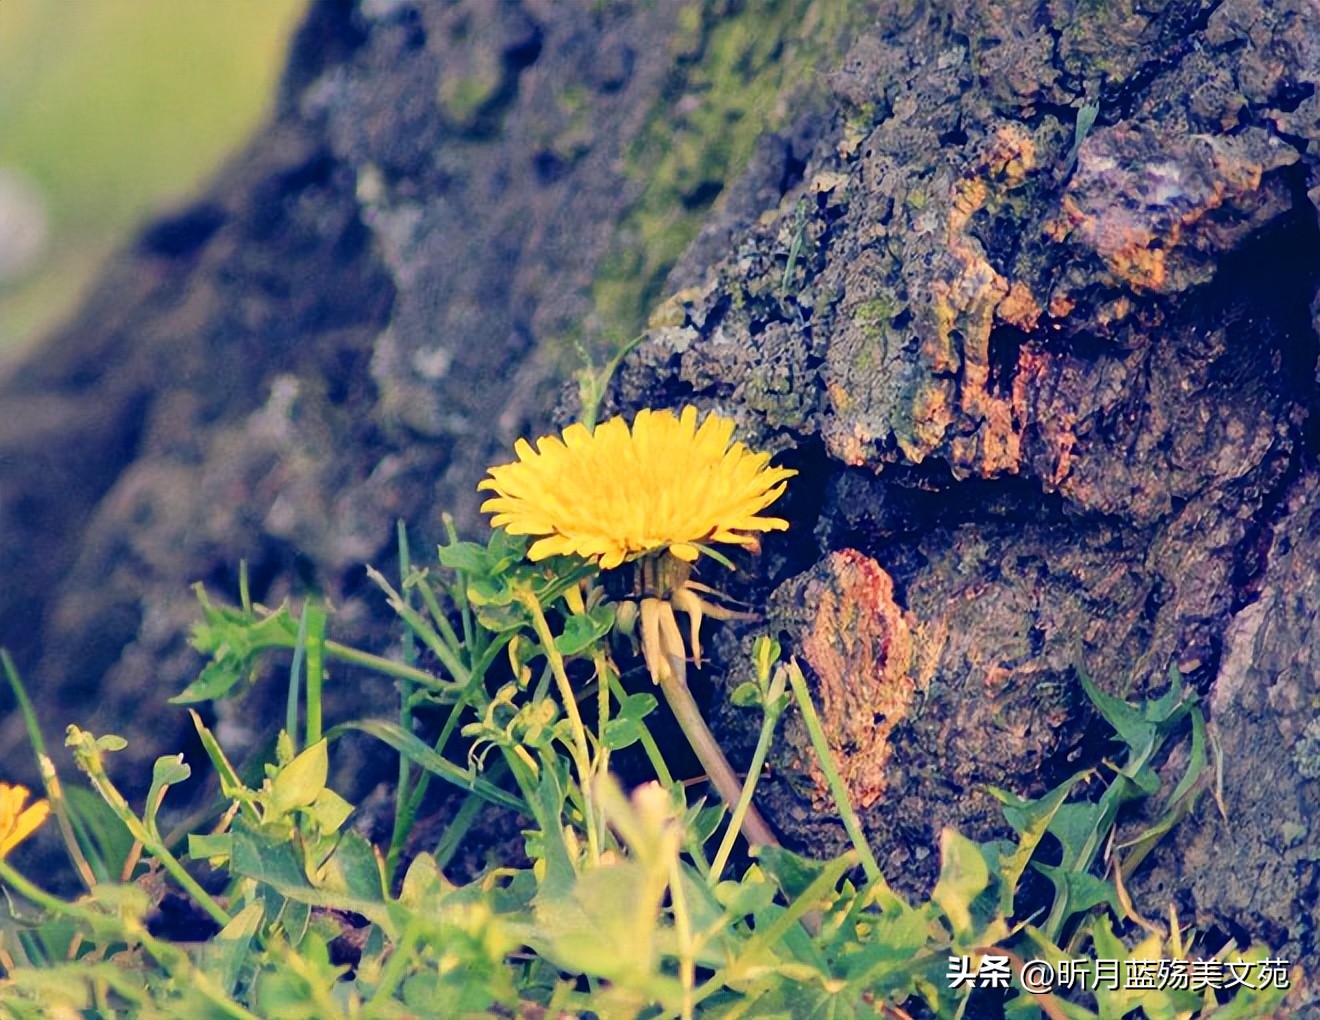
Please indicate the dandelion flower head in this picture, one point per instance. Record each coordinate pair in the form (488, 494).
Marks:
(616, 493)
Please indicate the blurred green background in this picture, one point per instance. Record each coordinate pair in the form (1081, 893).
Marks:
(111, 110)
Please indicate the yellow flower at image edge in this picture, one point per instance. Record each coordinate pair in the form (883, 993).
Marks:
(617, 493)
(16, 822)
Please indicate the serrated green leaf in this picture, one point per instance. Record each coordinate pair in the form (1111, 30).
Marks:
(1031, 820)
(1080, 889)
(1126, 720)
(214, 682)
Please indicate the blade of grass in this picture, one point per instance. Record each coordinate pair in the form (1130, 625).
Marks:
(295, 681)
(49, 777)
(837, 788)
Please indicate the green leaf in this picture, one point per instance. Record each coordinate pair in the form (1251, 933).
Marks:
(490, 591)
(1078, 828)
(1031, 820)
(102, 834)
(422, 880)
(353, 869)
(465, 556)
(421, 754)
(274, 862)
(214, 682)
(765, 653)
(548, 806)
(505, 550)
(601, 927)
(749, 896)
(792, 872)
(746, 695)
(277, 868)
(233, 638)
(1081, 889)
(168, 770)
(621, 733)
(583, 630)
(111, 742)
(230, 783)
(963, 877)
(224, 956)
(636, 707)
(300, 782)
(329, 811)
(1196, 758)
(203, 847)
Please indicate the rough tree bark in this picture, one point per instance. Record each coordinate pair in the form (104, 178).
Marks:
(1052, 391)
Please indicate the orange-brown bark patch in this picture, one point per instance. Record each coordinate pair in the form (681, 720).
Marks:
(859, 645)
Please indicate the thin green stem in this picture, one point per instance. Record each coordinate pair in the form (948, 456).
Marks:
(837, 788)
(446, 654)
(582, 751)
(49, 777)
(712, 759)
(754, 949)
(315, 670)
(403, 817)
(396, 967)
(687, 965)
(389, 667)
(477, 672)
(652, 749)
(471, 635)
(89, 759)
(604, 672)
(295, 680)
(769, 720)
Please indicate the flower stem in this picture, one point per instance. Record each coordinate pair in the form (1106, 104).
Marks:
(582, 750)
(49, 777)
(837, 788)
(712, 759)
(88, 758)
(774, 708)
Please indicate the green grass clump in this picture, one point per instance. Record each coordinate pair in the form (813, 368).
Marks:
(620, 905)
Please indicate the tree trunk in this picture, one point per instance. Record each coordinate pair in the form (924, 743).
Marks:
(1026, 291)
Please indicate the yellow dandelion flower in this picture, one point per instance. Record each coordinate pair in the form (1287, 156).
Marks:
(618, 493)
(652, 495)
(16, 822)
